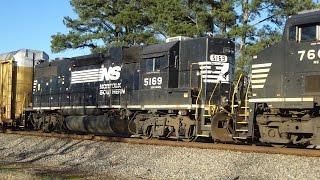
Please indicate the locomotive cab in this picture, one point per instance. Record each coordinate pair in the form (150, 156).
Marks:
(159, 68)
(187, 79)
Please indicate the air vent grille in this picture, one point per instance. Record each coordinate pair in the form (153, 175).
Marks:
(312, 84)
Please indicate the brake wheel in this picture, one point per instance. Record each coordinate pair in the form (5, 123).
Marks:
(222, 128)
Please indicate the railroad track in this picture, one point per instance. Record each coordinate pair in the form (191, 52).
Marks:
(229, 147)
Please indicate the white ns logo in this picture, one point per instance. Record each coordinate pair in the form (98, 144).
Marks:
(112, 73)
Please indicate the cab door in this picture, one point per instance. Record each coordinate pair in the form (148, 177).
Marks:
(154, 78)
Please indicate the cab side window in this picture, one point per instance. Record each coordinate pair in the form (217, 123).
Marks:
(308, 33)
(293, 33)
(153, 65)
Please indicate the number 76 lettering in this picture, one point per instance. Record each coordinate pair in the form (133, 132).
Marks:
(311, 54)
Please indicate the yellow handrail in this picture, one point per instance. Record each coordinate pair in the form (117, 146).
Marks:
(198, 97)
(197, 109)
(246, 101)
(215, 87)
(234, 93)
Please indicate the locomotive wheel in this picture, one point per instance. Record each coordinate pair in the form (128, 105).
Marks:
(222, 128)
(189, 136)
(278, 145)
(148, 133)
(1, 128)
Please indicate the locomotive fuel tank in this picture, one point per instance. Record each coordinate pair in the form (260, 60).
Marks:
(103, 125)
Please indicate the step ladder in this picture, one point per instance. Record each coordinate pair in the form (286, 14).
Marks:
(242, 121)
(206, 111)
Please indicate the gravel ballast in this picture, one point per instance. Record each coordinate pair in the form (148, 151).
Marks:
(92, 159)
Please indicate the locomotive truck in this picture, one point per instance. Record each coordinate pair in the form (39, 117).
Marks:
(181, 89)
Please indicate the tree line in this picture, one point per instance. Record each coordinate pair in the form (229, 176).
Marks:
(101, 24)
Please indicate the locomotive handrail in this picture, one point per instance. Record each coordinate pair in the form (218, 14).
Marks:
(197, 109)
(198, 97)
(200, 90)
(234, 93)
(212, 96)
(246, 101)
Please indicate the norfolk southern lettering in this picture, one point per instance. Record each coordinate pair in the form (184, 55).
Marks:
(111, 88)
(95, 75)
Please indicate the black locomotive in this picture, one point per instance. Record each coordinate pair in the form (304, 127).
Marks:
(286, 84)
(161, 90)
(182, 89)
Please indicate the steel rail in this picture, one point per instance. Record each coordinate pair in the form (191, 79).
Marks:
(200, 145)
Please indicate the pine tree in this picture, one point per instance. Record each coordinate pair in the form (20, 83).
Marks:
(102, 24)
(223, 16)
(105, 23)
(179, 17)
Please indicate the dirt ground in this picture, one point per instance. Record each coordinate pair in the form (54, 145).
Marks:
(35, 172)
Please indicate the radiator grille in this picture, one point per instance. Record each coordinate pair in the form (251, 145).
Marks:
(46, 71)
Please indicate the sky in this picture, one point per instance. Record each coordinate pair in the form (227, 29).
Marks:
(30, 24)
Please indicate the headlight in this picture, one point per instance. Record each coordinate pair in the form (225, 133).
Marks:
(228, 50)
